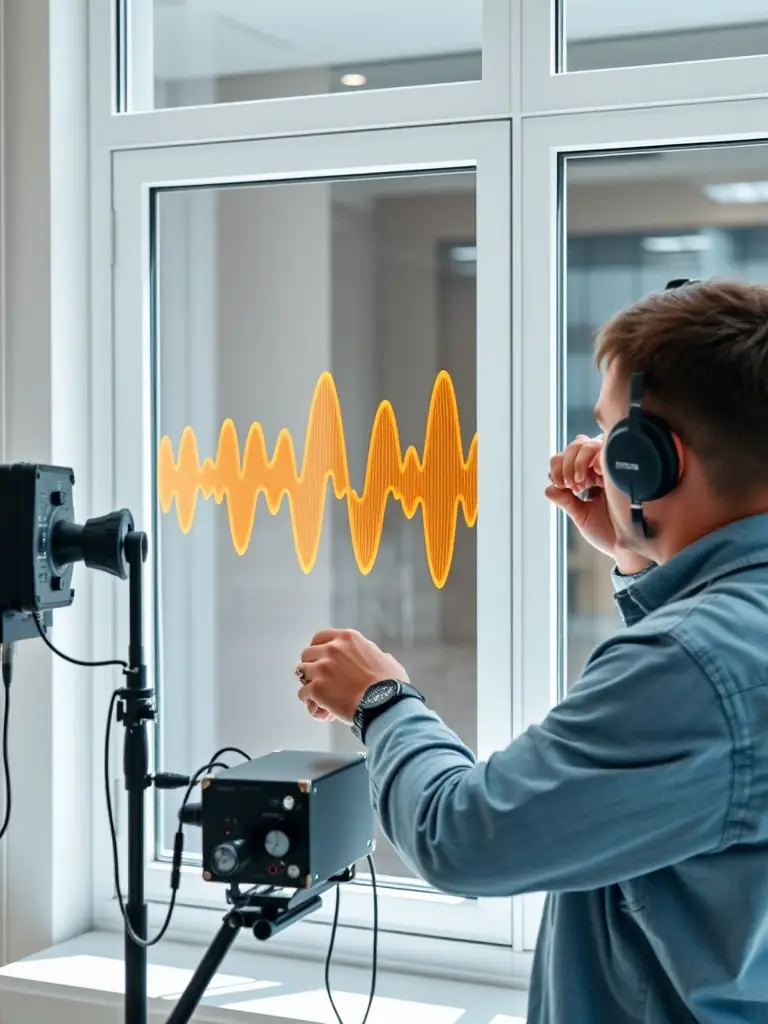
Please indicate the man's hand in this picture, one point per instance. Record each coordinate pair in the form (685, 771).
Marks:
(579, 471)
(574, 471)
(336, 670)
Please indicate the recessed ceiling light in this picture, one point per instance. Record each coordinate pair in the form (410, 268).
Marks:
(738, 192)
(677, 243)
(353, 81)
(464, 254)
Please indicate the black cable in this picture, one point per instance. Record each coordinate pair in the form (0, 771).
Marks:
(231, 750)
(7, 659)
(213, 763)
(178, 848)
(179, 838)
(375, 956)
(75, 661)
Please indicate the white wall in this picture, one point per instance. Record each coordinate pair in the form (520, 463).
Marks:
(274, 323)
(668, 47)
(674, 202)
(45, 398)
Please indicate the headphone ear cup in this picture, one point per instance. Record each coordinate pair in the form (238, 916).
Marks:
(641, 458)
(668, 461)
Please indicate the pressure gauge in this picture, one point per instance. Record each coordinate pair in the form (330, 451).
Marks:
(277, 844)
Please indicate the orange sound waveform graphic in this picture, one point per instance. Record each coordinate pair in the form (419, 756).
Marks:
(440, 481)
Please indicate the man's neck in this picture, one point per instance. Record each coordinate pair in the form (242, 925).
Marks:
(687, 531)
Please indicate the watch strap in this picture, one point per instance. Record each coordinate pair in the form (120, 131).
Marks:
(365, 715)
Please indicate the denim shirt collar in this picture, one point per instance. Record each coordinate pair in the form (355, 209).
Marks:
(730, 549)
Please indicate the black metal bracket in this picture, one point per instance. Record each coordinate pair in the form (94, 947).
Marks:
(266, 911)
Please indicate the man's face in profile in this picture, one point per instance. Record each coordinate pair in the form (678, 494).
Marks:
(613, 406)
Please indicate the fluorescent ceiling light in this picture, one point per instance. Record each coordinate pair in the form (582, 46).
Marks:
(464, 254)
(353, 81)
(738, 192)
(677, 243)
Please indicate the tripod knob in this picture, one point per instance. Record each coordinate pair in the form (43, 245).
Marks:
(230, 857)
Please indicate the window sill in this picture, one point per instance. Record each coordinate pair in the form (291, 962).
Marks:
(88, 972)
(400, 952)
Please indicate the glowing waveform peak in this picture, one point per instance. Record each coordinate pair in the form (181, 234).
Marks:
(440, 481)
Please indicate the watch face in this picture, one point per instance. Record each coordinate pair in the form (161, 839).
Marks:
(379, 694)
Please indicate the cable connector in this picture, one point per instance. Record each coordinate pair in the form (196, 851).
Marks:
(191, 814)
(171, 780)
(8, 652)
(178, 853)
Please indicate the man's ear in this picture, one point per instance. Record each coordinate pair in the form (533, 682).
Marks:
(681, 459)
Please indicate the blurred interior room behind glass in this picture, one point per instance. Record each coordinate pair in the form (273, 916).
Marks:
(634, 222)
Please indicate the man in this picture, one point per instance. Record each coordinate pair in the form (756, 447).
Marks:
(641, 802)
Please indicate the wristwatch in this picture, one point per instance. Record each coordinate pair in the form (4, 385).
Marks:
(378, 698)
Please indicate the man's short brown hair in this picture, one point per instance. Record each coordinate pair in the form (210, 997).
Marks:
(704, 347)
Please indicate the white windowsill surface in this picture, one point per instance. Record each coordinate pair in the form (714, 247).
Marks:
(83, 979)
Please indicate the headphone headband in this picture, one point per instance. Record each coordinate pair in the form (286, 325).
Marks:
(679, 282)
(637, 385)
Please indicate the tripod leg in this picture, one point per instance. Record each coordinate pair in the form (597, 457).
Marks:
(136, 761)
(208, 966)
(138, 711)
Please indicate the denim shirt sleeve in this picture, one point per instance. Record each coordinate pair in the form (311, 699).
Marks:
(624, 596)
(621, 582)
(630, 773)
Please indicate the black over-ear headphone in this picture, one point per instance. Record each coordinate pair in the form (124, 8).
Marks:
(640, 454)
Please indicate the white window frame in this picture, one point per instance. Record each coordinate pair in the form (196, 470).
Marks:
(544, 141)
(281, 117)
(559, 112)
(545, 90)
(485, 148)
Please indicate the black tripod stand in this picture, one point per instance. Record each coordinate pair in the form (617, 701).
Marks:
(134, 710)
(266, 911)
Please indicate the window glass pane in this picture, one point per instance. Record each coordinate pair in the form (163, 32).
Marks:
(635, 222)
(334, 321)
(222, 51)
(605, 34)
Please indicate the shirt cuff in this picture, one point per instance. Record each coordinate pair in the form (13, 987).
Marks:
(408, 707)
(621, 582)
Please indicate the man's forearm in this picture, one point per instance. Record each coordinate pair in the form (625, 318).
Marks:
(558, 809)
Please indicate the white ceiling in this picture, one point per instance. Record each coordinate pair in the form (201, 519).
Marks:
(595, 19)
(214, 37)
(698, 165)
(695, 167)
(210, 38)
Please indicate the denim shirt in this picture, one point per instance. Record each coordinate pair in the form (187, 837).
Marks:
(640, 803)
